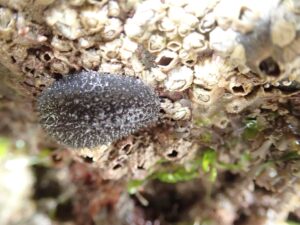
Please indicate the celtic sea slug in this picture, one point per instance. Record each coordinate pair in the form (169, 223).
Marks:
(88, 109)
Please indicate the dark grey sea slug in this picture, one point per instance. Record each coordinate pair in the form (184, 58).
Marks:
(88, 109)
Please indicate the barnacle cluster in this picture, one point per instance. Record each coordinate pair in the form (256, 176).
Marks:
(227, 72)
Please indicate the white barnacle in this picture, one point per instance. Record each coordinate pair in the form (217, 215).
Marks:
(65, 21)
(112, 29)
(194, 42)
(93, 18)
(188, 58)
(179, 79)
(156, 43)
(174, 45)
(113, 9)
(166, 60)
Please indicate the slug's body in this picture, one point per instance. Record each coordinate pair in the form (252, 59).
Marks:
(88, 109)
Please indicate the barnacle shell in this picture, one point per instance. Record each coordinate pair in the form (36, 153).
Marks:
(166, 60)
(112, 29)
(65, 21)
(89, 109)
(188, 58)
(240, 85)
(207, 23)
(93, 19)
(194, 42)
(156, 43)
(203, 96)
(113, 9)
(179, 79)
(176, 110)
(174, 45)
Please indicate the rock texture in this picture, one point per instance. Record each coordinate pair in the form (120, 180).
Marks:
(227, 73)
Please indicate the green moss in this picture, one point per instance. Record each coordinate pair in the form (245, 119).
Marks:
(202, 122)
(292, 223)
(134, 185)
(206, 137)
(293, 155)
(179, 174)
(4, 147)
(209, 162)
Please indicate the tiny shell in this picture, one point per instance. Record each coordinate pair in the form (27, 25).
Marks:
(90, 58)
(93, 18)
(166, 24)
(179, 79)
(60, 67)
(188, 58)
(240, 85)
(195, 42)
(111, 49)
(225, 45)
(208, 73)
(132, 30)
(184, 29)
(180, 112)
(65, 21)
(156, 43)
(205, 96)
(112, 29)
(113, 9)
(158, 74)
(61, 45)
(174, 45)
(246, 20)
(207, 23)
(176, 110)
(115, 68)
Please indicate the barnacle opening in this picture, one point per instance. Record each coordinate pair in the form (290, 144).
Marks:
(269, 67)
(238, 89)
(172, 154)
(165, 61)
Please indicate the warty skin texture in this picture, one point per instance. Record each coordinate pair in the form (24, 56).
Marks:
(88, 109)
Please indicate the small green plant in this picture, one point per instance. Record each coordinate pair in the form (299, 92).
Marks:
(209, 163)
(134, 185)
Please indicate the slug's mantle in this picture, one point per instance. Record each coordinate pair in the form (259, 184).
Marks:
(88, 109)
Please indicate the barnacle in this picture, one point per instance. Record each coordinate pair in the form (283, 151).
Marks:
(88, 109)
